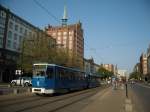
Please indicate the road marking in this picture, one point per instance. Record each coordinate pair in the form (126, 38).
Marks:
(143, 85)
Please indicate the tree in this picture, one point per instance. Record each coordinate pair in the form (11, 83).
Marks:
(40, 48)
(135, 75)
(43, 49)
(104, 73)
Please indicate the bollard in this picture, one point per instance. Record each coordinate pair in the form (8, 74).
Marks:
(126, 90)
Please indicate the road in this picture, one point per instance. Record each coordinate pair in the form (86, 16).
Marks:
(141, 97)
(70, 102)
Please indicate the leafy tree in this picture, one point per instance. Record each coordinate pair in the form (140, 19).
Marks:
(104, 73)
(41, 49)
(135, 75)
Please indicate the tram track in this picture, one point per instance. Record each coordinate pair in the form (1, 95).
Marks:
(71, 103)
(60, 105)
(27, 106)
(54, 101)
(16, 97)
(14, 102)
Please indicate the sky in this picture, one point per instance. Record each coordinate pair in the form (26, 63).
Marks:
(115, 31)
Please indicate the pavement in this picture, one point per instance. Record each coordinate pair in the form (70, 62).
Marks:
(6, 89)
(110, 101)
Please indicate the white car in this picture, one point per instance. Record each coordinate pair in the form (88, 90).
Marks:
(23, 81)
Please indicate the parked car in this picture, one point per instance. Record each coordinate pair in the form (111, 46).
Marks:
(23, 81)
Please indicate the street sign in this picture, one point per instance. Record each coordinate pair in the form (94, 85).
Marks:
(18, 72)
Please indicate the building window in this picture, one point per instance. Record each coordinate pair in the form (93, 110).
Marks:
(64, 41)
(30, 34)
(70, 46)
(1, 31)
(15, 36)
(70, 38)
(20, 39)
(58, 42)
(64, 33)
(9, 43)
(10, 35)
(11, 25)
(54, 34)
(14, 45)
(25, 32)
(2, 21)
(2, 14)
(65, 37)
(21, 29)
(71, 33)
(59, 38)
(16, 27)
(1, 41)
(59, 33)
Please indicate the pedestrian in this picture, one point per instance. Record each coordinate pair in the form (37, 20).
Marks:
(113, 83)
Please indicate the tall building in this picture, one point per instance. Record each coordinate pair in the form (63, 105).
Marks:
(69, 37)
(148, 60)
(143, 64)
(13, 30)
(122, 73)
(137, 68)
(148, 64)
(109, 67)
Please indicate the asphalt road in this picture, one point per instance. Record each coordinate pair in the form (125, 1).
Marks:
(141, 97)
(70, 102)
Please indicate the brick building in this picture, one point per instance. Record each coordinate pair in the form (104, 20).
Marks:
(70, 37)
(109, 67)
(143, 64)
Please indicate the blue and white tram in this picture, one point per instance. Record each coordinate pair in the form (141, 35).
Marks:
(52, 78)
(93, 81)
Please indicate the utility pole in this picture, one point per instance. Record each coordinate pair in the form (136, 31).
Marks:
(22, 54)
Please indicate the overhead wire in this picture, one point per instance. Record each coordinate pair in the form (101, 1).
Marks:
(57, 20)
(47, 11)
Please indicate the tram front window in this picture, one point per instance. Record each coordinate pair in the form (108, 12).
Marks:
(39, 70)
(40, 73)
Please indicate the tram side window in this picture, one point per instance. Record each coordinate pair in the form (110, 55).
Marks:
(50, 72)
(61, 73)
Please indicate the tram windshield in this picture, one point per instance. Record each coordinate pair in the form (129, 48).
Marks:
(39, 70)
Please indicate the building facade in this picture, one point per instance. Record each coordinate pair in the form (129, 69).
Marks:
(137, 68)
(148, 64)
(90, 67)
(70, 37)
(143, 64)
(122, 73)
(109, 67)
(148, 60)
(13, 30)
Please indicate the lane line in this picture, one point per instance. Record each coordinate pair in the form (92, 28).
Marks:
(143, 85)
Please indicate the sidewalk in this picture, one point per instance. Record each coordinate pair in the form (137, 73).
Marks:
(108, 101)
(4, 84)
